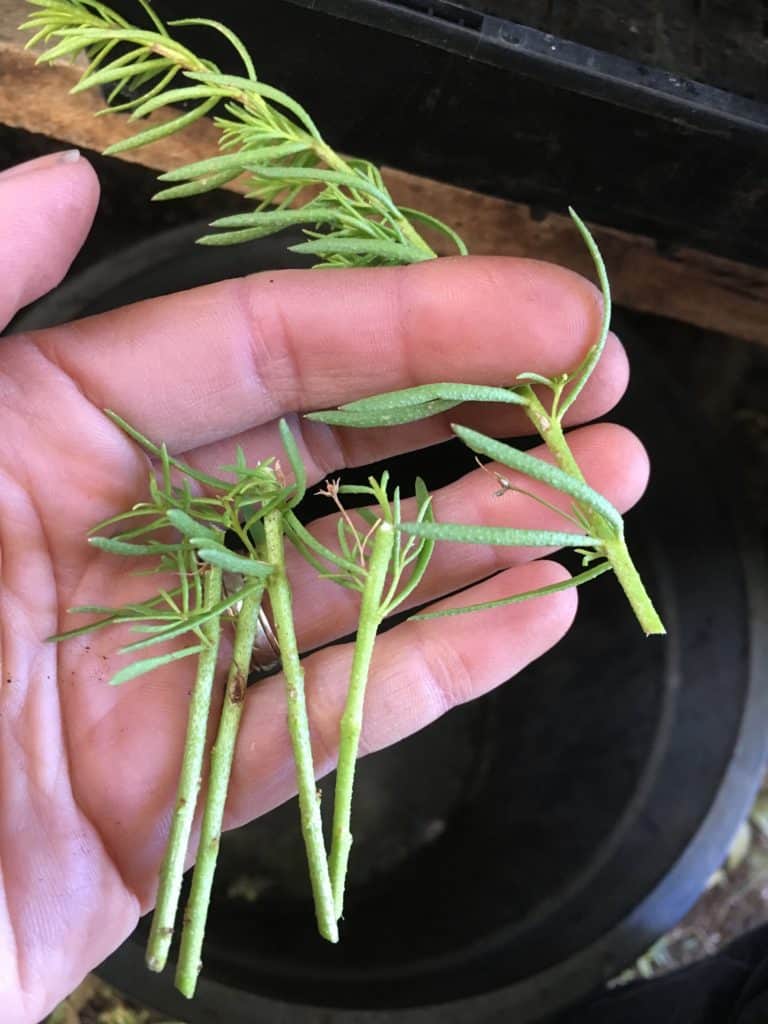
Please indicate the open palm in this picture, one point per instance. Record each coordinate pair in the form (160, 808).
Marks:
(88, 772)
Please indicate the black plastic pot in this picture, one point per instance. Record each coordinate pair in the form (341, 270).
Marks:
(529, 846)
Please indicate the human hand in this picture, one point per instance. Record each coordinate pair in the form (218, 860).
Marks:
(88, 772)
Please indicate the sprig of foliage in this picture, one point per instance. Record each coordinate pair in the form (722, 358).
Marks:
(294, 176)
(201, 524)
(184, 533)
(385, 567)
(604, 526)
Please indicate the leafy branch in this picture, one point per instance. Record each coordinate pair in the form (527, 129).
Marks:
(602, 523)
(385, 567)
(294, 176)
(186, 534)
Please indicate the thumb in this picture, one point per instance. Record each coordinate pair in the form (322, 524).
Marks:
(46, 210)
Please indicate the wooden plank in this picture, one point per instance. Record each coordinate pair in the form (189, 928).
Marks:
(691, 286)
(688, 285)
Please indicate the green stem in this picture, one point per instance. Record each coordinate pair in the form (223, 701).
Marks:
(337, 163)
(352, 719)
(298, 726)
(222, 756)
(618, 555)
(614, 547)
(172, 869)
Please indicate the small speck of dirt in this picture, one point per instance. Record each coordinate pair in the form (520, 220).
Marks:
(237, 696)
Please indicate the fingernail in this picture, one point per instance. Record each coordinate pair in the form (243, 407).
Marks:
(67, 156)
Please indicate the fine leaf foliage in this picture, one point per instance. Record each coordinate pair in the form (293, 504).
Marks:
(266, 136)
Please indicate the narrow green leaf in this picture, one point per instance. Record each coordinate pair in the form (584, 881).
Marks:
(366, 515)
(231, 562)
(94, 609)
(89, 36)
(536, 378)
(226, 162)
(582, 374)
(311, 213)
(124, 547)
(553, 588)
(383, 417)
(297, 531)
(63, 48)
(129, 105)
(194, 188)
(357, 489)
(132, 432)
(238, 86)
(431, 392)
(395, 252)
(161, 130)
(180, 95)
(190, 527)
(343, 580)
(321, 176)
(147, 6)
(438, 225)
(142, 531)
(153, 449)
(112, 73)
(294, 458)
(545, 472)
(165, 464)
(139, 668)
(499, 535)
(82, 630)
(425, 550)
(342, 527)
(228, 35)
(162, 633)
(260, 224)
(422, 495)
(134, 513)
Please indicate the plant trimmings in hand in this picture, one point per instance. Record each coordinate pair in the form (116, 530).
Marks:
(185, 528)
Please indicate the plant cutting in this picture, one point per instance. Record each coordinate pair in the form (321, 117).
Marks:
(349, 220)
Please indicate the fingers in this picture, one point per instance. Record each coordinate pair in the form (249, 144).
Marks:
(420, 670)
(204, 365)
(612, 460)
(46, 210)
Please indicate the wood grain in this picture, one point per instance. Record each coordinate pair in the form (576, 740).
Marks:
(688, 285)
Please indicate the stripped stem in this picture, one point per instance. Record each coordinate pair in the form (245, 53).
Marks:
(614, 546)
(222, 756)
(172, 869)
(352, 719)
(298, 726)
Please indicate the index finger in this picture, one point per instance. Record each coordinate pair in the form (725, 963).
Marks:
(206, 364)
